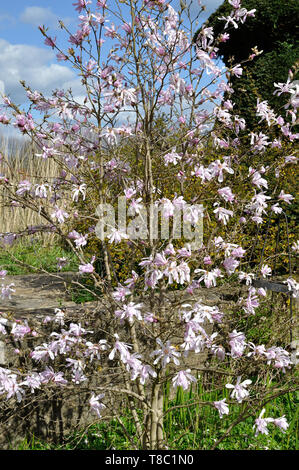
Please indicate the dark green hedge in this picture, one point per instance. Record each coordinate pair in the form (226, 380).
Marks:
(274, 30)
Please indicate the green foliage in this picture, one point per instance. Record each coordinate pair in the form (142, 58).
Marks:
(39, 256)
(275, 21)
(191, 428)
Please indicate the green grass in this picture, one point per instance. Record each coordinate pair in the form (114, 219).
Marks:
(196, 428)
(37, 255)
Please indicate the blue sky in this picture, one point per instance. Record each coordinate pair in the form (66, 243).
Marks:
(23, 54)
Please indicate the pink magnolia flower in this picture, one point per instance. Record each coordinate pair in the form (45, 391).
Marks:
(96, 405)
(285, 197)
(172, 157)
(237, 343)
(120, 347)
(222, 407)
(276, 209)
(60, 215)
(81, 4)
(145, 372)
(223, 214)
(266, 270)
(3, 273)
(48, 375)
(237, 70)
(262, 423)
(88, 267)
(239, 390)
(281, 423)
(33, 381)
(183, 379)
(129, 312)
(129, 192)
(252, 302)
(230, 264)
(13, 388)
(6, 291)
(81, 240)
(23, 187)
(295, 246)
(50, 42)
(209, 277)
(77, 190)
(166, 353)
(132, 281)
(227, 194)
(116, 236)
(235, 3)
(19, 331)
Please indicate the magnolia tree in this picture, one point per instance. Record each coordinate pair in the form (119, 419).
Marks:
(138, 65)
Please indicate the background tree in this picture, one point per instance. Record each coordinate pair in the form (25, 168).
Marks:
(273, 30)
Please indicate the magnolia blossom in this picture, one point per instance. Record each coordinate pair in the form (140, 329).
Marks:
(276, 209)
(145, 372)
(293, 287)
(285, 197)
(223, 214)
(239, 390)
(262, 423)
(48, 375)
(19, 331)
(120, 347)
(33, 381)
(2, 328)
(209, 277)
(227, 194)
(96, 405)
(77, 190)
(23, 187)
(281, 423)
(88, 267)
(279, 358)
(116, 236)
(132, 280)
(60, 215)
(230, 264)
(248, 277)
(222, 407)
(266, 270)
(183, 379)
(237, 343)
(12, 387)
(166, 353)
(252, 302)
(129, 312)
(237, 70)
(6, 291)
(172, 157)
(129, 192)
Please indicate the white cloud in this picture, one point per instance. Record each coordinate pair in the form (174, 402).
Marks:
(34, 65)
(37, 16)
